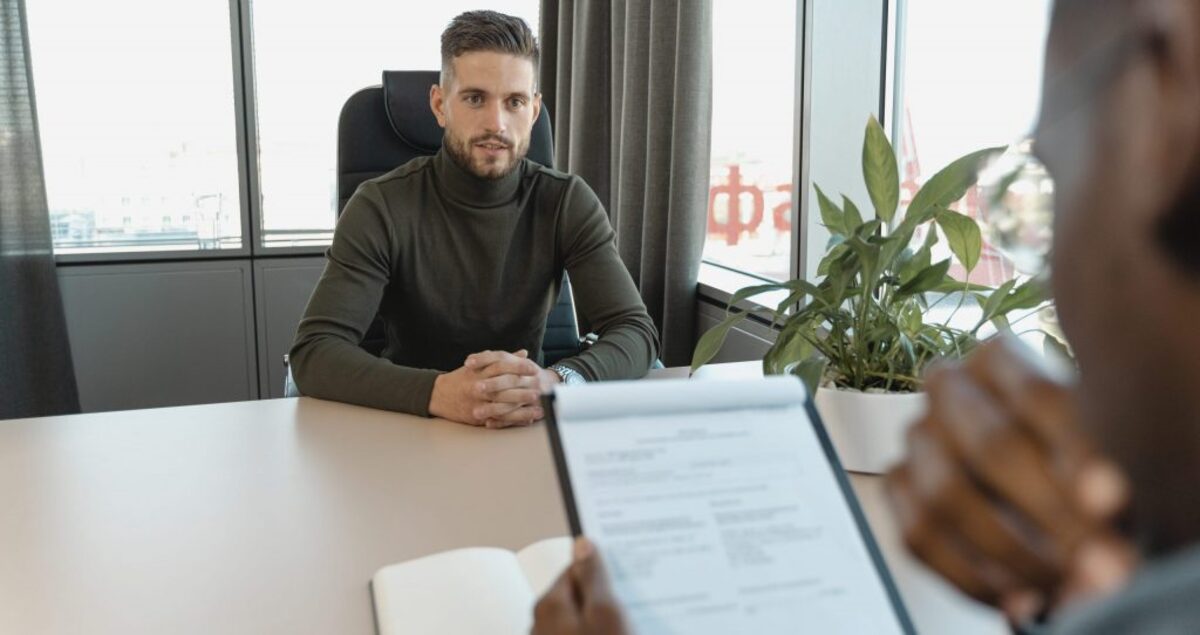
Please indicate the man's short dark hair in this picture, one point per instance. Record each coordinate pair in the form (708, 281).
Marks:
(487, 31)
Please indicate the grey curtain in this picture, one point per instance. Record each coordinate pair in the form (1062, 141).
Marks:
(629, 83)
(36, 375)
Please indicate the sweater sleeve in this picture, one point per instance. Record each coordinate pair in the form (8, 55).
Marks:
(604, 292)
(325, 357)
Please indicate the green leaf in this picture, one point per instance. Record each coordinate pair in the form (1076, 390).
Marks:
(833, 254)
(890, 249)
(963, 235)
(799, 288)
(1003, 184)
(947, 186)
(913, 318)
(950, 285)
(832, 217)
(910, 352)
(867, 230)
(710, 343)
(868, 257)
(810, 372)
(790, 348)
(1054, 347)
(1002, 324)
(1030, 294)
(991, 307)
(841, 271)
(926, 280)
(931, 239)
(750, 292)
(880, 171)
(915, 265)
(853, 218)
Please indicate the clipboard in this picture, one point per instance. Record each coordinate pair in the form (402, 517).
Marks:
(554, 425)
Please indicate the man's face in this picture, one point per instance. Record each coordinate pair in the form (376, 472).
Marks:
(487, 107)
(1113, 135)
(1086, 156)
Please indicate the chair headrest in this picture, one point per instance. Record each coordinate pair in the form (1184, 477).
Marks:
(406, 99)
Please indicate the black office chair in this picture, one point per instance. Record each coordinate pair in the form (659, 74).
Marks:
(383, 127)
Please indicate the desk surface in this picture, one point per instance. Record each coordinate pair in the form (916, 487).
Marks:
(271, 516)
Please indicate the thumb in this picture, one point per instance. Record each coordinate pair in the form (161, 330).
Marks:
(524, 354)
(1102, 491)
(589, 573)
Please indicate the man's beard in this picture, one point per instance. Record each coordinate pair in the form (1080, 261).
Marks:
(460, 152)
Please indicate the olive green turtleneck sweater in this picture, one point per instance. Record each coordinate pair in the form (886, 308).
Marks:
(456, 265)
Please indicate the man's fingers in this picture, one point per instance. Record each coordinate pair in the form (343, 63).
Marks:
(511, 365)
(519, 396)
(557, 613)
(492, 410)
(995, 450)
(1101, 565)
(926, 539)
(485, 388)
(600, 609)
(1022, 607)
(1040, 401)
(519, 416)
(1018, 558)
(481, 359)
(1101, 489)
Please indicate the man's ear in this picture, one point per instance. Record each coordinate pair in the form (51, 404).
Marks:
(437, 103)
(537, 106)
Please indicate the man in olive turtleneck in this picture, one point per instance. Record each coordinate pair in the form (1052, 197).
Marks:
(462, 254)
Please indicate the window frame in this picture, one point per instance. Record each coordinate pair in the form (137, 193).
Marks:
(245, 250)
(716, 287)
(711, 287)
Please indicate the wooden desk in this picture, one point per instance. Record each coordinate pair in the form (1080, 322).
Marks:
(272, 516)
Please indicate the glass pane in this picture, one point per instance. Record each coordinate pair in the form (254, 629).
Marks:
(971, 79)
(308, 61)
(135, 106)
(750, 208)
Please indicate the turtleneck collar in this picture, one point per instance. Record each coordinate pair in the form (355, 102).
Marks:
(468, 189)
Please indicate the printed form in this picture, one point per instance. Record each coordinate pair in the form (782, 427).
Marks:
(717, 510)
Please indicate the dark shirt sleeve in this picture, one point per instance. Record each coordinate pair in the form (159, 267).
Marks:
(325, 357)
(604, 292)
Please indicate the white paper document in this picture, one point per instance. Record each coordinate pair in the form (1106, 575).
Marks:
(717, 510)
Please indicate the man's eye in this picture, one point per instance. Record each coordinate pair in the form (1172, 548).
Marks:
(516, 102)
(474, 100)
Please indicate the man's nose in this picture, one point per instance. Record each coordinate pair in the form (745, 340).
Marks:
(494, 119)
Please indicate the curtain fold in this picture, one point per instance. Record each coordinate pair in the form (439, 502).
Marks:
(629, 83)
(36, 374)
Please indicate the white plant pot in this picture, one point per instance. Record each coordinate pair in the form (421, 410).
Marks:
(868, 429)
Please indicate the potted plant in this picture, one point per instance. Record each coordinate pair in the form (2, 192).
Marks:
(861, 335)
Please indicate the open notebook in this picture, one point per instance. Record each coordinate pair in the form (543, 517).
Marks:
(478, 590)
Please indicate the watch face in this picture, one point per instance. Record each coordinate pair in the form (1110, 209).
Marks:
(568, 375)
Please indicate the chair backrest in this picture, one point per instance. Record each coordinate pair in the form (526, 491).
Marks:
(384, 127)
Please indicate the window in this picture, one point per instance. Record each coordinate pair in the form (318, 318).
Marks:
(308, 61)
(968, 76)
(136, 113)
(753, 122)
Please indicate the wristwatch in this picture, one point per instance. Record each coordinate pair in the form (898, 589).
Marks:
(568, 375)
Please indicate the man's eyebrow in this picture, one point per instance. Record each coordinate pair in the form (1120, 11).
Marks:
(472, 90)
